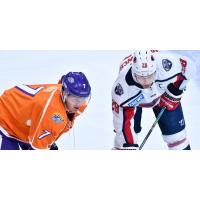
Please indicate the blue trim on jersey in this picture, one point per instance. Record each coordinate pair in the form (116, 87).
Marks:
(131, 98)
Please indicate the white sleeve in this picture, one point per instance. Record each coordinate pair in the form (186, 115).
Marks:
(123, 125)
(189, 71)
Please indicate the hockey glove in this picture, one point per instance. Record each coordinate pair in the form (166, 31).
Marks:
(54, 147)
(171, 98)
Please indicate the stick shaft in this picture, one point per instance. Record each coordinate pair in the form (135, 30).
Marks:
(152, 127)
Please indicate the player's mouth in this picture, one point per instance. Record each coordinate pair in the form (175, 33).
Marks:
(146, 86)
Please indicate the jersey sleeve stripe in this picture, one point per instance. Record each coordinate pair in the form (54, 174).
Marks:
(127, 116)
(29, 91)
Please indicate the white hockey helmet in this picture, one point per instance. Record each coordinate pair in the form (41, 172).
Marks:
(144, 63)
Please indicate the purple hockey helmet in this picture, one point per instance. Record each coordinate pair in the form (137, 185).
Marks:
(76, 83)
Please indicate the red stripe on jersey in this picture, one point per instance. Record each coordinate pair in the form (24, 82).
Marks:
(128, 115)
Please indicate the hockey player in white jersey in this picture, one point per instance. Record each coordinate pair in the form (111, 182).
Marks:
(151, 79)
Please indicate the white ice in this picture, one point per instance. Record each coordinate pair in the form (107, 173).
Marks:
(94, 129)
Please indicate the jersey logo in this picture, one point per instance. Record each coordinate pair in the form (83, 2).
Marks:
(182, 122)
(119, 90)
(136, 101)
(126, 61)
(57, 118)
(44, 134)
(167, 64)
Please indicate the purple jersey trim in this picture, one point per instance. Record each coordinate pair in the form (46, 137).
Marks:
(32, 95)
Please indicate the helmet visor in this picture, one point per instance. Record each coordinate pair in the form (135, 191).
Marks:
(145, 81)
(75, 100)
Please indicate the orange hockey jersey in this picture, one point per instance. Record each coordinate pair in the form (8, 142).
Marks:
(35, 114)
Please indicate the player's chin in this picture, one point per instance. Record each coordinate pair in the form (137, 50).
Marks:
(74, 109)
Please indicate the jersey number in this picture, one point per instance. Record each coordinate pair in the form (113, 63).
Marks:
(115, 107)
(184, 65)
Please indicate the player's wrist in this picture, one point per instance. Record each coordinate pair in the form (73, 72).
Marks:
(172, 95)
(173, 90)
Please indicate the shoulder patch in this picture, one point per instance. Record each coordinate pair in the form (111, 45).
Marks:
(167, 64)
(57, 118)
(119, 90)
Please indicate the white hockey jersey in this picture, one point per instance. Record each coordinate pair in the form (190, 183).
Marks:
(127, 94)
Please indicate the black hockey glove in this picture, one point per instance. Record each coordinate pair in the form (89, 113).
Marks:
(54, 147)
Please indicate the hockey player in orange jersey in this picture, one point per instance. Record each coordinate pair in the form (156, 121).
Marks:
(35, 116)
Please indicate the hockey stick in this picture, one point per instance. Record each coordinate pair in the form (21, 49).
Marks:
(153, 126)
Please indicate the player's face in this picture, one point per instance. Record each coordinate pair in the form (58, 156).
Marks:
(145, 81)
(73, 103)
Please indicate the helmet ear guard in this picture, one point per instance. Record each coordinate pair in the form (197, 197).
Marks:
(64, 95)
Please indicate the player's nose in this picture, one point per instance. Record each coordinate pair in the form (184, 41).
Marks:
(77, 105)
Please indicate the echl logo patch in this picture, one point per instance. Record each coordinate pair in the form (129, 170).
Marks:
(57, 118)
(167, 64)
(119, 90)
